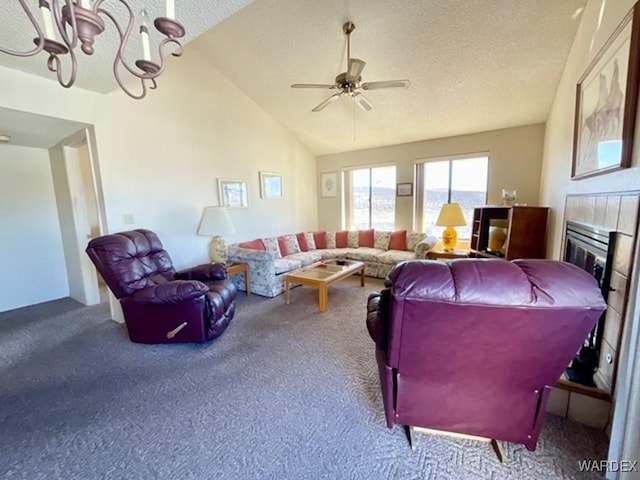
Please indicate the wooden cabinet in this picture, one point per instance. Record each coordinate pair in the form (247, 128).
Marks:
(524, 230)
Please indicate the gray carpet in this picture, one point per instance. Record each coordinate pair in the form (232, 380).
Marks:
(285, 393)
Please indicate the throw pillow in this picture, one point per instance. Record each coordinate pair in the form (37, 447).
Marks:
(331, 240)
(320, 238)
(311, 242)
(366, 238)
(342, 239)
(272, 247)
(398, 240)
(257, 244)
(413, 239)
(282, 244)
(381, 239)
(292, 244)
(302, 241)
(352, 239)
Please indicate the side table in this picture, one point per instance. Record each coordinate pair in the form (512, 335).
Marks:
(441, 254)
(237, 269)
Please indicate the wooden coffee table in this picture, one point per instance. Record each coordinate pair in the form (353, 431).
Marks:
(321, 275)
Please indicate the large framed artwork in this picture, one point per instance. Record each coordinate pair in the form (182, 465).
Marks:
(233, 193)
(606, 103)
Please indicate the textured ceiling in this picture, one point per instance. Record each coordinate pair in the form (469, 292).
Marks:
(17, 34)
(474, 65)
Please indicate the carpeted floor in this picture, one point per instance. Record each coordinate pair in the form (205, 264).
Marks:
(285, 393)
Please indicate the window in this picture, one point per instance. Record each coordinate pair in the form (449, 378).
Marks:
(370, 198)
(462, 181)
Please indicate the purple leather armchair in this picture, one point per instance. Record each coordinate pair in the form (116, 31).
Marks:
(160, 305)
(474, 346)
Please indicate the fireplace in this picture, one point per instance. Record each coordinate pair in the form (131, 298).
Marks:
(590, 248)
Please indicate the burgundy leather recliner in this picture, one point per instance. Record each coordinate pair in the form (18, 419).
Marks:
(473, 346)
(160, 305)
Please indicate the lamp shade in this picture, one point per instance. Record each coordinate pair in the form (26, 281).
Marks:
(451, 216)
(215, 221)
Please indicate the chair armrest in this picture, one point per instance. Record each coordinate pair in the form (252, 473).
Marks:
(424, 246)
(173, 292)
(207, 272)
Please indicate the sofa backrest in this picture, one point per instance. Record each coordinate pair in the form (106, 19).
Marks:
(129, 261)
(478, 340)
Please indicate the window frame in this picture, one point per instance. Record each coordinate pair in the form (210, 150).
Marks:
(418, 219)
(347, 198)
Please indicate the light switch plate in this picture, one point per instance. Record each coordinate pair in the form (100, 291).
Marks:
(127, 219)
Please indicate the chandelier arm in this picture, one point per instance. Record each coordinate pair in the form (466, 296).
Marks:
(120, 55)
(54, 64)
(39, 45)
(57, 16)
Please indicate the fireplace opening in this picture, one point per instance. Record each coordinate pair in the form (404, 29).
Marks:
(590, 248)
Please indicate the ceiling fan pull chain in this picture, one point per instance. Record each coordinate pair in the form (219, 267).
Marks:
(354, 120)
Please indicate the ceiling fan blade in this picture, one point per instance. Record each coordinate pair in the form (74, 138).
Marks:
(355, 68)
(312, 85)
(332, 98)
(386, 84)
(363, 102)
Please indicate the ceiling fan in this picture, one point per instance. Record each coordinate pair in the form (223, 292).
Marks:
(350, 82)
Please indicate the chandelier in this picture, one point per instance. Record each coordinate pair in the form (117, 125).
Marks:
(81, 21)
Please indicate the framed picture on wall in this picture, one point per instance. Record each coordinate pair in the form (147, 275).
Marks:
(607, 102)
(233, 193)
(270, 185)
(329, 184)
(404, 189)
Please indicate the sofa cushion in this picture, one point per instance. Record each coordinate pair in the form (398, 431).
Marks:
(292, 244)
(321, 239)
(283, 265)
(353, 239)
(366, 238)
(331, 240)
(330, 253)
(342, 239)
(364, 254)
(413, 239)
(391, 257)
(272, 247)
(311, 242)
(302, 241)
(306, 258)
(381, 239)
(257, 244)
(282, 245)
(398, 240)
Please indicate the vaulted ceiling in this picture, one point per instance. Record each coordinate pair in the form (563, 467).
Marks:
(474, 65)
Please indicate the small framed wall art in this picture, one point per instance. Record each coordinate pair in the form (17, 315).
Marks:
(270, 185)
(404, 189)
(329, 184)
(233, 193)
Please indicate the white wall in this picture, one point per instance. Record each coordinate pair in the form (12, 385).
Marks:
(599, 20)
(31, 255)
(515, 162)
(160, 157)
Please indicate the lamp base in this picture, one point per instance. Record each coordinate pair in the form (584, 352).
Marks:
(449, 239)
(218, 250)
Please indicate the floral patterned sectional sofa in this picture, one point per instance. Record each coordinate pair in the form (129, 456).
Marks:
(270, 259)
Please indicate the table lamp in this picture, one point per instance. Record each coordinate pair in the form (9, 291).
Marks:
(214, 223)
(450, 216)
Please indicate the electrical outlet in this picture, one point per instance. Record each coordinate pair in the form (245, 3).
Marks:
(127, 219)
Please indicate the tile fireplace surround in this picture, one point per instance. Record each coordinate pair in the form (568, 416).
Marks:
(617, 212)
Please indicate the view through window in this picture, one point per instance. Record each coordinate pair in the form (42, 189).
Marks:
(372, 202)
(462, 181)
